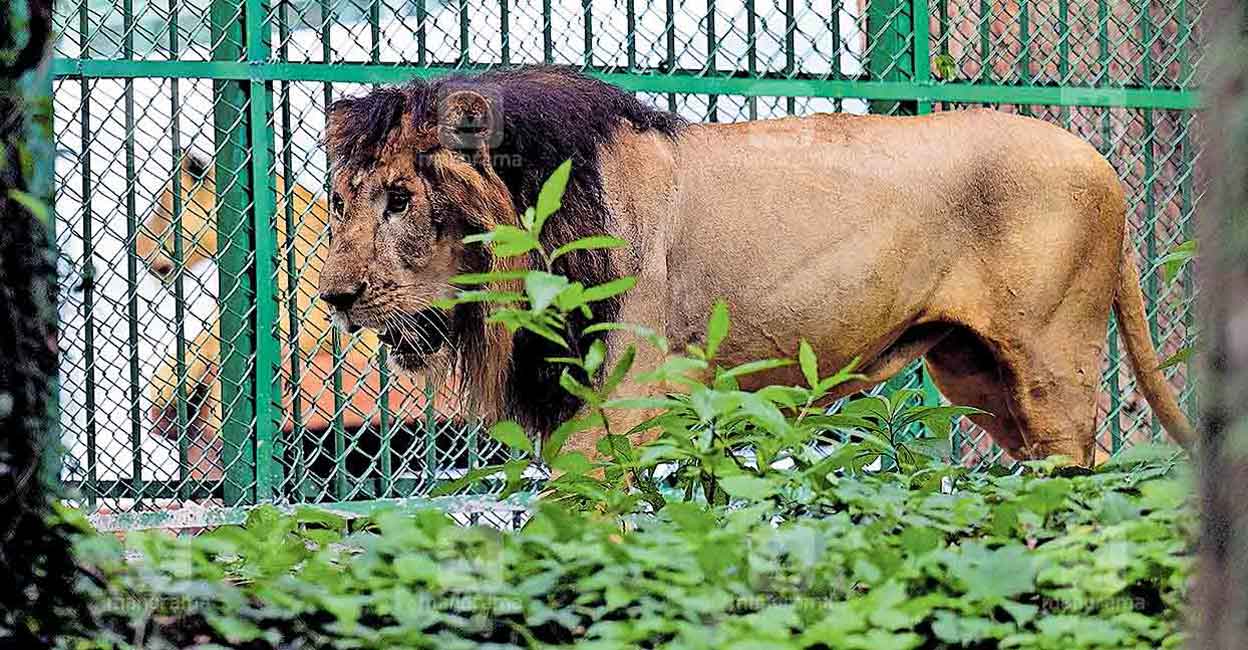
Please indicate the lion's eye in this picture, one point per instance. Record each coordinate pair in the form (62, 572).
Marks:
(396, 202)
(336, 204)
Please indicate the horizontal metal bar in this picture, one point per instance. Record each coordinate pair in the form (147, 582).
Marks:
(194, 516)
(677, 82)
(126, 489)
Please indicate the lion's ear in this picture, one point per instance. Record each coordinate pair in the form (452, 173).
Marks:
(468, 121)
(196, 166)
(335, 125)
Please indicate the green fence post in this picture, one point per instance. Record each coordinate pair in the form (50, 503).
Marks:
(132, 261)
(268, 351)
(88, 267)
(890, 58)
(237, 306)
(922, 70)
(890, 30)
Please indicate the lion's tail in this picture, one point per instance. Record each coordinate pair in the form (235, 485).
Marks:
(1133, 323)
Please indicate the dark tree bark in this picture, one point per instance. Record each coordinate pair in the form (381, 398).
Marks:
(36, 567)
(1220, 606)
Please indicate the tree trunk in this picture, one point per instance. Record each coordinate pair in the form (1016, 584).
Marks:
(35, 564)
(1220, 605)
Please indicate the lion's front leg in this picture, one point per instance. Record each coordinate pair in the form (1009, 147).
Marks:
(201, 359)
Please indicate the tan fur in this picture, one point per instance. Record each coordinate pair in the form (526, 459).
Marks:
(991, 245)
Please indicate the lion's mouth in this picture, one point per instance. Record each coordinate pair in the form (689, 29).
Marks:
(413, 337)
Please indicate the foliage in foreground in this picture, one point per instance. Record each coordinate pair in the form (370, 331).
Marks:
(874, 562)
(35, 566)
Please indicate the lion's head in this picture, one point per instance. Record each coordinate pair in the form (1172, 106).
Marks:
(155, 241)
(417, 168)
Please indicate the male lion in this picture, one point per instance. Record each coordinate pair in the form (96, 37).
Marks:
(991, 245)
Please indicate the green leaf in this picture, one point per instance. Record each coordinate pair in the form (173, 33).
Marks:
(513, 470)
(673, 369)
(791, 396)
(1142, 453)
(515, 320)
(640, 331)
(934, 448)
(542, 288)
(919, 539)
(572, 298)
(761, 365)
(615, 446)
(937, 419)
(810, 366)
(577, 389)
(34, 205)
(1117, 508)
(748, 487)
(1022, 612)
(572, 463)
(641, 403)
(945, 66)
(473, 477)
(234, 629)
(507, 241)
(620, 370)
(1182, 356)
(609, 289)
(553, 445)
(842, 376)
(995, 575)
(869, 406)
(465, 297)
(550, 198)
(546, 333)
(307, 515)
(716, 328)
(1174, 261)
(512, 435)
(594, 357)
(838, 421)
(598, 242)
(765, 414)
(486, 278)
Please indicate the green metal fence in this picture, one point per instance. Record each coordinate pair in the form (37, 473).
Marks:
(245, 410)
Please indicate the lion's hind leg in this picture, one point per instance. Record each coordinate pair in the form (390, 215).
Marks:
(967, 372)
(1041, 397)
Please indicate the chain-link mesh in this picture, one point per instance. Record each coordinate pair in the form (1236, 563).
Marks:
(191, 199)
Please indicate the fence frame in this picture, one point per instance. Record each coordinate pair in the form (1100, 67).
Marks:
(250, 96)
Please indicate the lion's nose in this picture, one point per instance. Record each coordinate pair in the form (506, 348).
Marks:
(161, 267)
(341, 298)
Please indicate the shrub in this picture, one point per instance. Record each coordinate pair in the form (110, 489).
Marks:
(875, 561)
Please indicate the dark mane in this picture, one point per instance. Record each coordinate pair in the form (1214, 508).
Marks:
(548, 115)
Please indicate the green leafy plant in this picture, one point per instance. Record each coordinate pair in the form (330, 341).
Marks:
(1172, 264)
(880, 560)
(1174, 261)
(945, 67)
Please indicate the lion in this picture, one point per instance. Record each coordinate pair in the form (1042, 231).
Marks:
(155, 245)
(989, 245)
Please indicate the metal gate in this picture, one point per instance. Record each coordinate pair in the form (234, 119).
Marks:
(198, 375)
